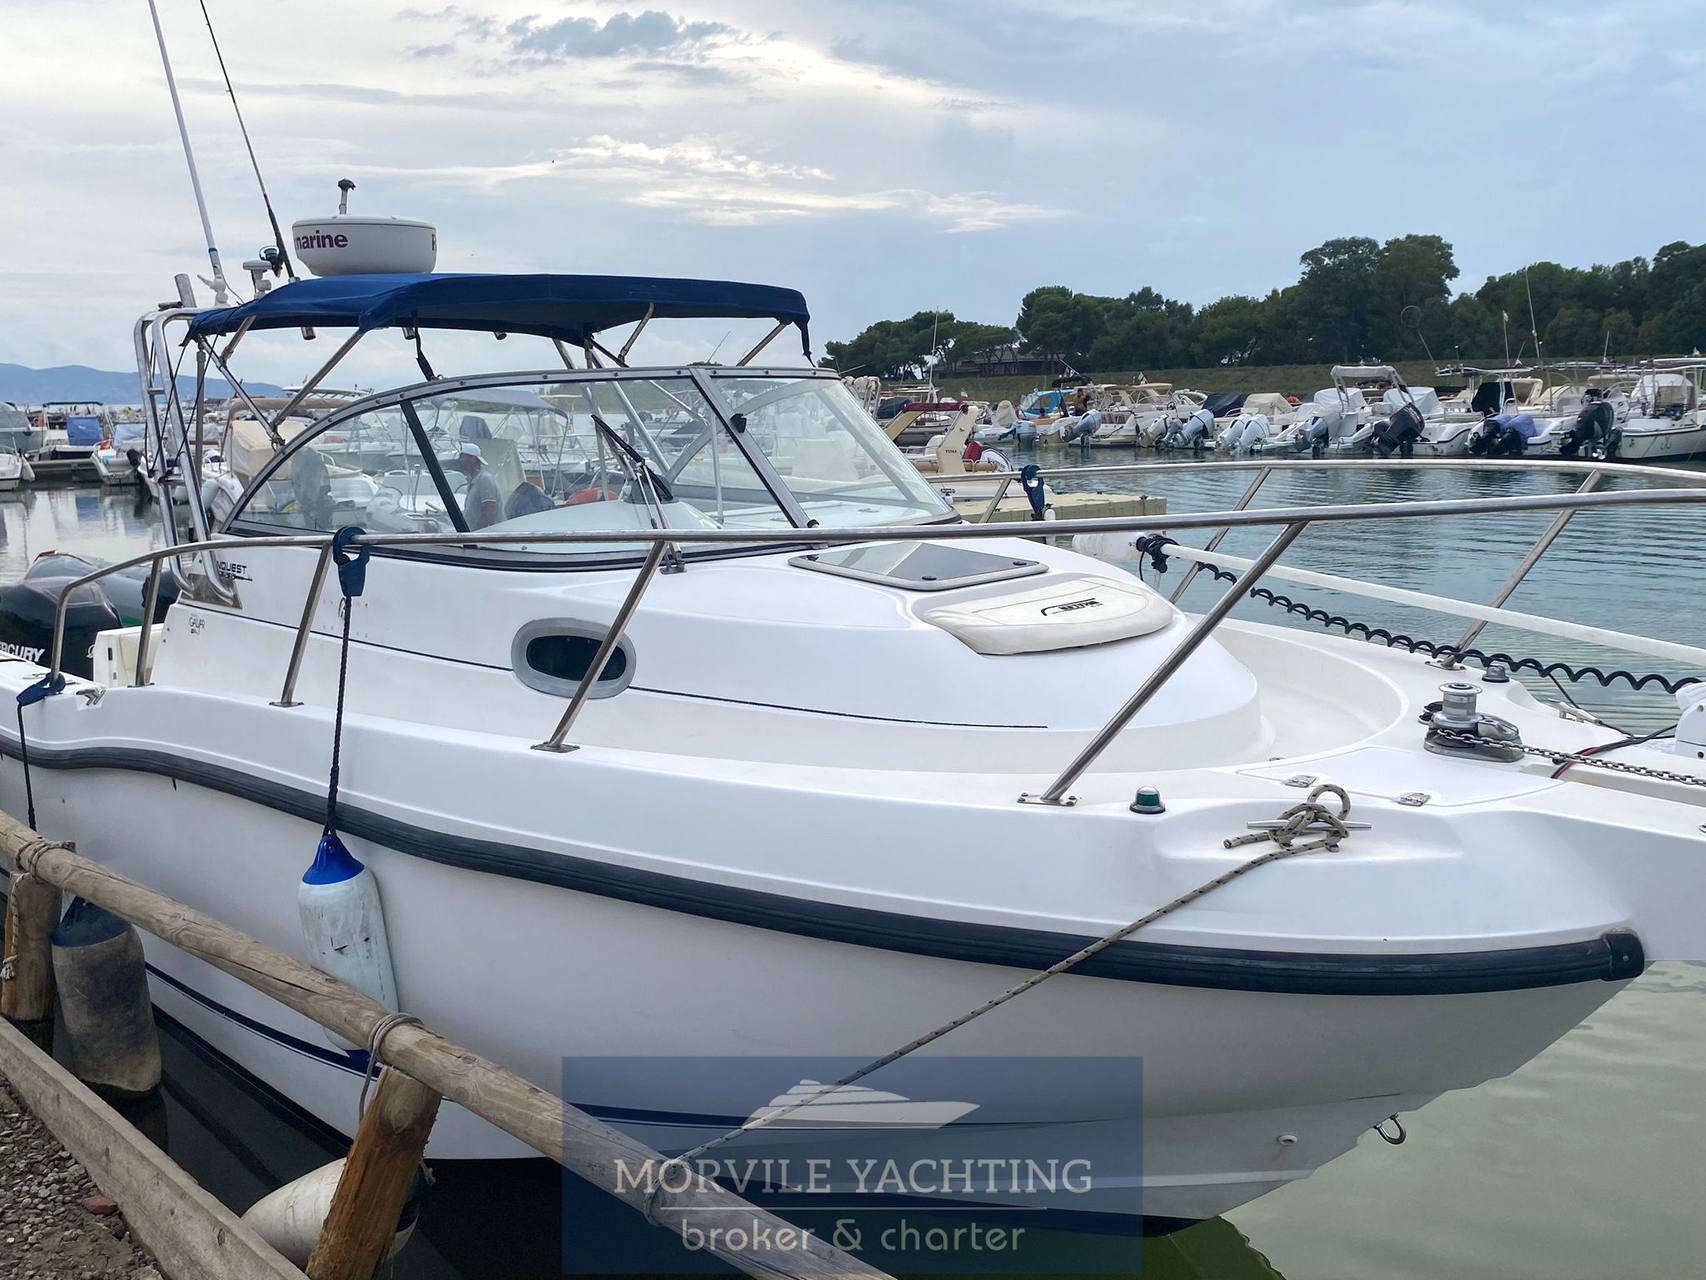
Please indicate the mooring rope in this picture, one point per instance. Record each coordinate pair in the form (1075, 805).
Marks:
(352, 580)
(1295, 821)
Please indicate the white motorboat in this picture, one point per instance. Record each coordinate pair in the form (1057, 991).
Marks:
(18, 432)
(118, 459)
(1448, 432)
(1666, 418)
(13, 469)
(1139, 414)
(1339, 421)
(789, 807)
(72, 430)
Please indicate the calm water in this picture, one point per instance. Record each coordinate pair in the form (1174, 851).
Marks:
(1588, 1162)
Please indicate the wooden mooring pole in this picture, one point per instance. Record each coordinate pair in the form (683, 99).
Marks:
(26, 981)
(729, 1226)
(387, 1150)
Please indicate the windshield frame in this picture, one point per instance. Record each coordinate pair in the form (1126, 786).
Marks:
(702, 377)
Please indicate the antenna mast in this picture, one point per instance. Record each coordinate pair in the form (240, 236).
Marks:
(277, 235)
(220, 293)
(1533, 324)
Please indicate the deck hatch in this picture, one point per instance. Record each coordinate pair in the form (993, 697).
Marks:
(918, 566)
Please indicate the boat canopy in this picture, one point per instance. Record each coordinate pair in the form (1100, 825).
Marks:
(569, 308)
(1365, 373)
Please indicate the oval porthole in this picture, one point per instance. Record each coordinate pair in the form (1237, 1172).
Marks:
(553, 656)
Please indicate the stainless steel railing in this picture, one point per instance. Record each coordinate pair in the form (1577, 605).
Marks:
(1293, 521)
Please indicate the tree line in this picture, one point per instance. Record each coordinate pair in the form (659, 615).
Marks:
(1354, 300)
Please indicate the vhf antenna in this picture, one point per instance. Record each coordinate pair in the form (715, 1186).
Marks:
(220, 290)
(277, 235)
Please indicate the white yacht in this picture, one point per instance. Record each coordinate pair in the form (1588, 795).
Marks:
(1337, 421)
(745, 745)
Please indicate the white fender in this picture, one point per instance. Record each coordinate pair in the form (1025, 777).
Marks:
(343, 925)
(290, 1218)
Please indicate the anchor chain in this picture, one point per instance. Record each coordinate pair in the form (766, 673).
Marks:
(1563, 758)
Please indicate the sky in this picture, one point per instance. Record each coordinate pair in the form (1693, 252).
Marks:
(882, 157)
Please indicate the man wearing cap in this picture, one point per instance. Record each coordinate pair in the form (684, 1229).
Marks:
(481, 505)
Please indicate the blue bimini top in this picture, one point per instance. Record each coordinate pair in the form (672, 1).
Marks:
(569, 308)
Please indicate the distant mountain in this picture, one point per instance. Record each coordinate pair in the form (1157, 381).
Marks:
(23, 385)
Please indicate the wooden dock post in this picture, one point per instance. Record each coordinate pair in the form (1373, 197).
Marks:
(32, 911)
(375, 1184)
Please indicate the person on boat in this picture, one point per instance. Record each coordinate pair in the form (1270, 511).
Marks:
(481, 504)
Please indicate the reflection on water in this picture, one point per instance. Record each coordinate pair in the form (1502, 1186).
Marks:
(86, 521)
(1588, 1161)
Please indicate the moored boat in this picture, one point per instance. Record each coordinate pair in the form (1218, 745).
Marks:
(784, 808)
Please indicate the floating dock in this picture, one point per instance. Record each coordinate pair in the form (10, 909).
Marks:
(1016, 508)
(64, 471)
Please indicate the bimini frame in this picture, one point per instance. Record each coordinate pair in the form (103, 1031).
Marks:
(175, 438)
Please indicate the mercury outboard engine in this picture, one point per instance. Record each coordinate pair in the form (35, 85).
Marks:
(27, 611)
(1399, 433)
(28, 607)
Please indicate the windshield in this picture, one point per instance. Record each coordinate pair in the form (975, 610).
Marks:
(605, 455)
(841, 467)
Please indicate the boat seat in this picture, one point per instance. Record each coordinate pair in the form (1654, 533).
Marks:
(1067, 613)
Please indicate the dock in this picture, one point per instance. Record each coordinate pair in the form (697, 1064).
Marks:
(1016, 508)
(64, 471)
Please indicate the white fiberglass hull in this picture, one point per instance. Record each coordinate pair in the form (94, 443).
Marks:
(550, 982)
(558, 912)
(114, 468)
(1647, 439)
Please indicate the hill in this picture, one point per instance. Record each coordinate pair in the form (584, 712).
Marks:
(23, 385)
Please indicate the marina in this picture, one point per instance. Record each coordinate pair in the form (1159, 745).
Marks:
(505, 781)
(107, 535)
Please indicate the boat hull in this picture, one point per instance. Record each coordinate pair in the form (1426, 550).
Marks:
(1241, 1090)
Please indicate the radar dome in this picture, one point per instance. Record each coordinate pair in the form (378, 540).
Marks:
(356, 244)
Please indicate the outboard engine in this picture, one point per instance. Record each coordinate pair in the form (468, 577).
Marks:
(27, 611)
(1595, 433)
(124, 590)
(1495, 438)
(1399, 433)
(1244, 434)
(1192, 433)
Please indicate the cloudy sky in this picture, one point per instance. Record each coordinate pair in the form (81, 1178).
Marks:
(883, 157)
